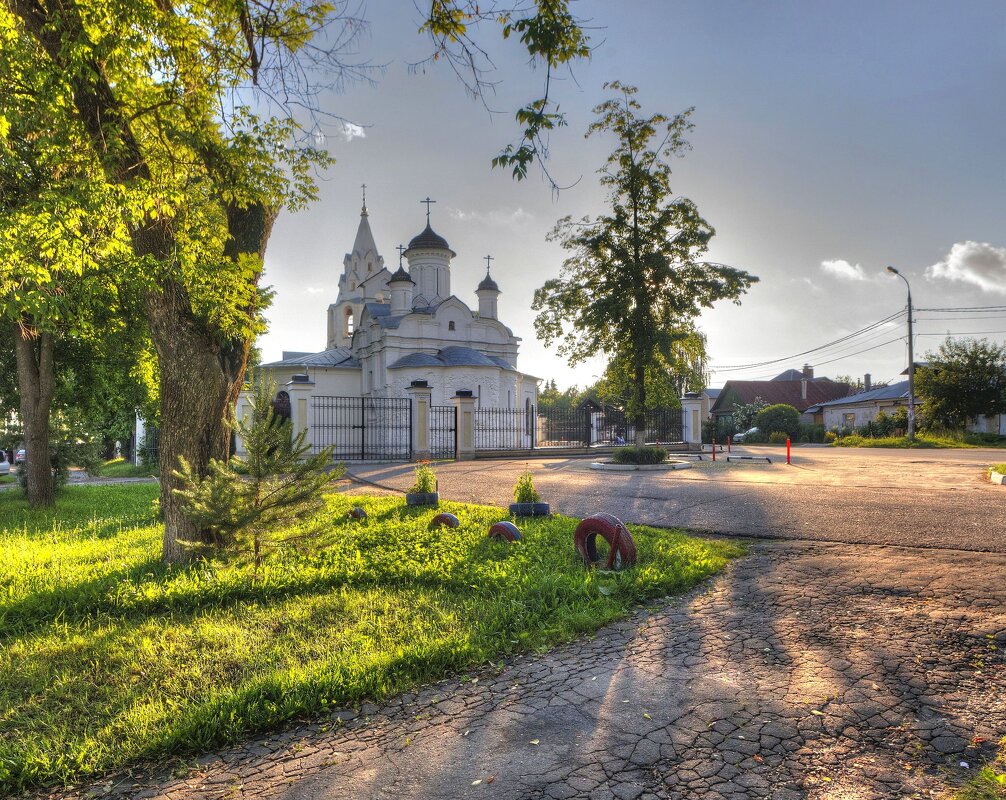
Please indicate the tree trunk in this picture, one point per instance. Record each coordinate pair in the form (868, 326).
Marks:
(36, 381)
(639, 409)
(201, 378)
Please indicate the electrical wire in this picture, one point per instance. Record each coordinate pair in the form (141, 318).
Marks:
(756, 365)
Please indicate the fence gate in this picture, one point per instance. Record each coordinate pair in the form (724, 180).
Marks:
(443, 431)
(363, 428)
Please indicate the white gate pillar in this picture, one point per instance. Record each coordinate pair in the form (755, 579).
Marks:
(300, 390)
(422, 400)
(464, 404)
(691, 420)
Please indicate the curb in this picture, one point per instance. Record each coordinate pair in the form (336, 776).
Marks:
(667, 466)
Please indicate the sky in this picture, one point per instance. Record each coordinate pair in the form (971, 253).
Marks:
(831, 140)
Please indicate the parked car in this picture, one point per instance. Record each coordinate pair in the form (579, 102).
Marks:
(739, 437)
(19, 457)
(4, 464)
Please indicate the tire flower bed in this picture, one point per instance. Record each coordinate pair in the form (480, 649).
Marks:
(109, 658)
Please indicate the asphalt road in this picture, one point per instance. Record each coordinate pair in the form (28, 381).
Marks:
(911, 498)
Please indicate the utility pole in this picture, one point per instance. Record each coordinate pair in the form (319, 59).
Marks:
(911, 360)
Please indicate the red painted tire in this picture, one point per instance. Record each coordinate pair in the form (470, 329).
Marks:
(505, 530)
(358, 513)
(444, 520)
(621, 547)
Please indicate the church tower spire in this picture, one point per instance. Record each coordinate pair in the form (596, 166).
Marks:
(359, 283)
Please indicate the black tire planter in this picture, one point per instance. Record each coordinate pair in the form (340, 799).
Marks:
(530, 509)
(422, 498)
(505, 531)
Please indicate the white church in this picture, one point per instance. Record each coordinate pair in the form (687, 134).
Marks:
(389, 331)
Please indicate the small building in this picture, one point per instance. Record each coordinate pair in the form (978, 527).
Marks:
(799, 389)
(855, 411)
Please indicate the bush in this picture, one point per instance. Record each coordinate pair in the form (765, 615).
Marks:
(717, 429)
(646, 454)
(758, 437)
(810, 434)
(830, 436)
(425, 480)
(524, 491)
(778, 437)
(780, 417)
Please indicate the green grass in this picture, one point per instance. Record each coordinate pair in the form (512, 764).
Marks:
(120, 468)
(940, 440)
(8, 479)
(108, 658)
(989, 783)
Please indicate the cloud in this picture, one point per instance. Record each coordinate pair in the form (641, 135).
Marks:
(350, 131)
(499, 216)
(977, 263)
(840, 268)
(313, 290)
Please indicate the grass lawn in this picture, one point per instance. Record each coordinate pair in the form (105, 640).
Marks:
(107, 657)
(8, 479)
(120, 468)
(925, 440)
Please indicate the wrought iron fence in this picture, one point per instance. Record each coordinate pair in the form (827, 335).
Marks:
(601, 425)
(504, 428)
(443, 431)
(363, 428)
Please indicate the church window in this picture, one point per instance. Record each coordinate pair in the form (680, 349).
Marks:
(349, 322)
(370, 266)
(450, 325)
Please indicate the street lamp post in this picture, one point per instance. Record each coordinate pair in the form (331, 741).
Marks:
(911, 360)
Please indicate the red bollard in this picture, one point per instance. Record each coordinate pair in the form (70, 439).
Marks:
(787, 449)
(714, 449)
(729, 438)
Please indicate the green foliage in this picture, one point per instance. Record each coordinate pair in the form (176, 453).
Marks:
(810, 433)
(120, 468)
(261, 500)
(110, 657)
(550, 398)
(425, 480)
(963, 380)
(744, 414)
(640, 454)
(524, 491)
(778, 418)
(778, 437)
(717, 429)
(830, 437)
(635, 282)
(758, 437)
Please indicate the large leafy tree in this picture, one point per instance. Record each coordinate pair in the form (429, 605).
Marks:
(964, 379)
(187, 115)
(635, 280)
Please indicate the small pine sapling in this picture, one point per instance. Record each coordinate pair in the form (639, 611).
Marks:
(266, 499)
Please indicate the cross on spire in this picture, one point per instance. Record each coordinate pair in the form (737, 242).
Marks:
(400, 249)
(488, 259)
(364, 187)
(428, 204)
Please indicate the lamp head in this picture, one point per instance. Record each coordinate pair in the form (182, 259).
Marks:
(893, 271)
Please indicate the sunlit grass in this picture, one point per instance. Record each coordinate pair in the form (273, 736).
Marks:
(107, 656)
(120, 468)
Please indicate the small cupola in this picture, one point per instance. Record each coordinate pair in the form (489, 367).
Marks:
(429, 258)
(401, 285)
(488, 293)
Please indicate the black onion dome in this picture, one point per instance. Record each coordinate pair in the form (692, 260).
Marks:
(489, 283)
(400, 275)
(429, 238)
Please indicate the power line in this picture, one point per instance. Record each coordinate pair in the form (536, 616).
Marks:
(757, 365)
(960, 333)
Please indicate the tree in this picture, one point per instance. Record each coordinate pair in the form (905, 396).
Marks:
(269, 497)
(744, 413)
(634, 282)
(963, 380)
(189, 114)
(778, 418)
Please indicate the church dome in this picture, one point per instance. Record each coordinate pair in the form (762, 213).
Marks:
(400, 275)
(488, 283)
(429, 238)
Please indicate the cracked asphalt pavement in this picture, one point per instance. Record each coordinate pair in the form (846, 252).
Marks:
(859, 651)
